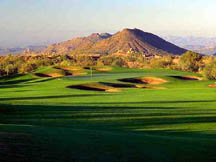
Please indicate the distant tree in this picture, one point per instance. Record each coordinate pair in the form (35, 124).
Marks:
(190, 61)
(10, 69)
(210, 71)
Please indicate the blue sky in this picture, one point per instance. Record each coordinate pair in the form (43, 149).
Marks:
(25, 22)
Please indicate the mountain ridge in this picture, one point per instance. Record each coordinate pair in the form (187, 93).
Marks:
(105, 43)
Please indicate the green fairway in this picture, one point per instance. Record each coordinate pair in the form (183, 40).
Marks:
(42, 120)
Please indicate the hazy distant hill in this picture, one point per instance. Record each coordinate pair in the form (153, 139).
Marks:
(202, 45)
(207, 50)
(18, 50)
(5, 51)
(125, 40)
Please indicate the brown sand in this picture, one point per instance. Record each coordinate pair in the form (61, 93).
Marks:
(104, 69)
(79, 73)
(153, 80)
(146, 87)
(145, 80)
(71, 68)
(187, 77)
(212, 85)
(95, 87)
(193, 77)
(55, 75)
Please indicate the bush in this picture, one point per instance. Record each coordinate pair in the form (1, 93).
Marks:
(190, 61)
(165, 62)
(209, 71)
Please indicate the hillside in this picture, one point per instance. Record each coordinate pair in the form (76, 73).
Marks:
(76, 43)
(20, 50)
(125, 40)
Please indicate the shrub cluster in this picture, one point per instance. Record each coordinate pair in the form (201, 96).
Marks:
(190, 62)
(10, 65)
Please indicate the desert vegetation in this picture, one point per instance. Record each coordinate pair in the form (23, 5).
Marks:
(188, 62)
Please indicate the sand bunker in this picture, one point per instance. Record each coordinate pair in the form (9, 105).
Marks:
(188, 77)
(103, 69)
(145, 80)
(95, 87)
(212, 85)
(118, 85)
(153, 80)
(48, 75)
(41, 75)
(71, 68)
(153, 87)
(74, 71)
(147, 87)
(112, 90)
(55, 75)
(131, 80)
(103, 86)
(109, 87)
(79, 73)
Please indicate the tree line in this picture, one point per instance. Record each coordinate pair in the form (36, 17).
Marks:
(189, 62)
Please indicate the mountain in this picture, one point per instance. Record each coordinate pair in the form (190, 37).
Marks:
(19, 50)
(125, 40)
(191, 40)
(206, 50)
(36, 48)
(138, 40)
(5, 51)
(76, 43)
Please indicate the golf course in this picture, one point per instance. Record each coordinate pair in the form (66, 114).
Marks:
(108, 114)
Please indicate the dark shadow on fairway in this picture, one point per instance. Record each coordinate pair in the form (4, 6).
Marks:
(44, 80)
(49, 97)
(132, 80)
(113, 114)
(10, 77)
(66, 133)
(15, 82)
(12, 86)
(118, 85)
(81, 87)
(42, 75)
(151, 102)
(183, 78)
(21, 91)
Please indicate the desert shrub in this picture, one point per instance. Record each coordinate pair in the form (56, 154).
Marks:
(25, 68)
(65, 63)
(118, 62)
(164, 62)
(135, 57)
(190, 61)
(82, 60)
(209, 71)
(111, 61)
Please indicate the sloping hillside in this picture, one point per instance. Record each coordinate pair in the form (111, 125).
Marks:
(76, 43)
(125, 40)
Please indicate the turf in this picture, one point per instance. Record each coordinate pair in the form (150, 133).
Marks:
(43, 120)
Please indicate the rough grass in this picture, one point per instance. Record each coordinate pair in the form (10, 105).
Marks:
(42, 120)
